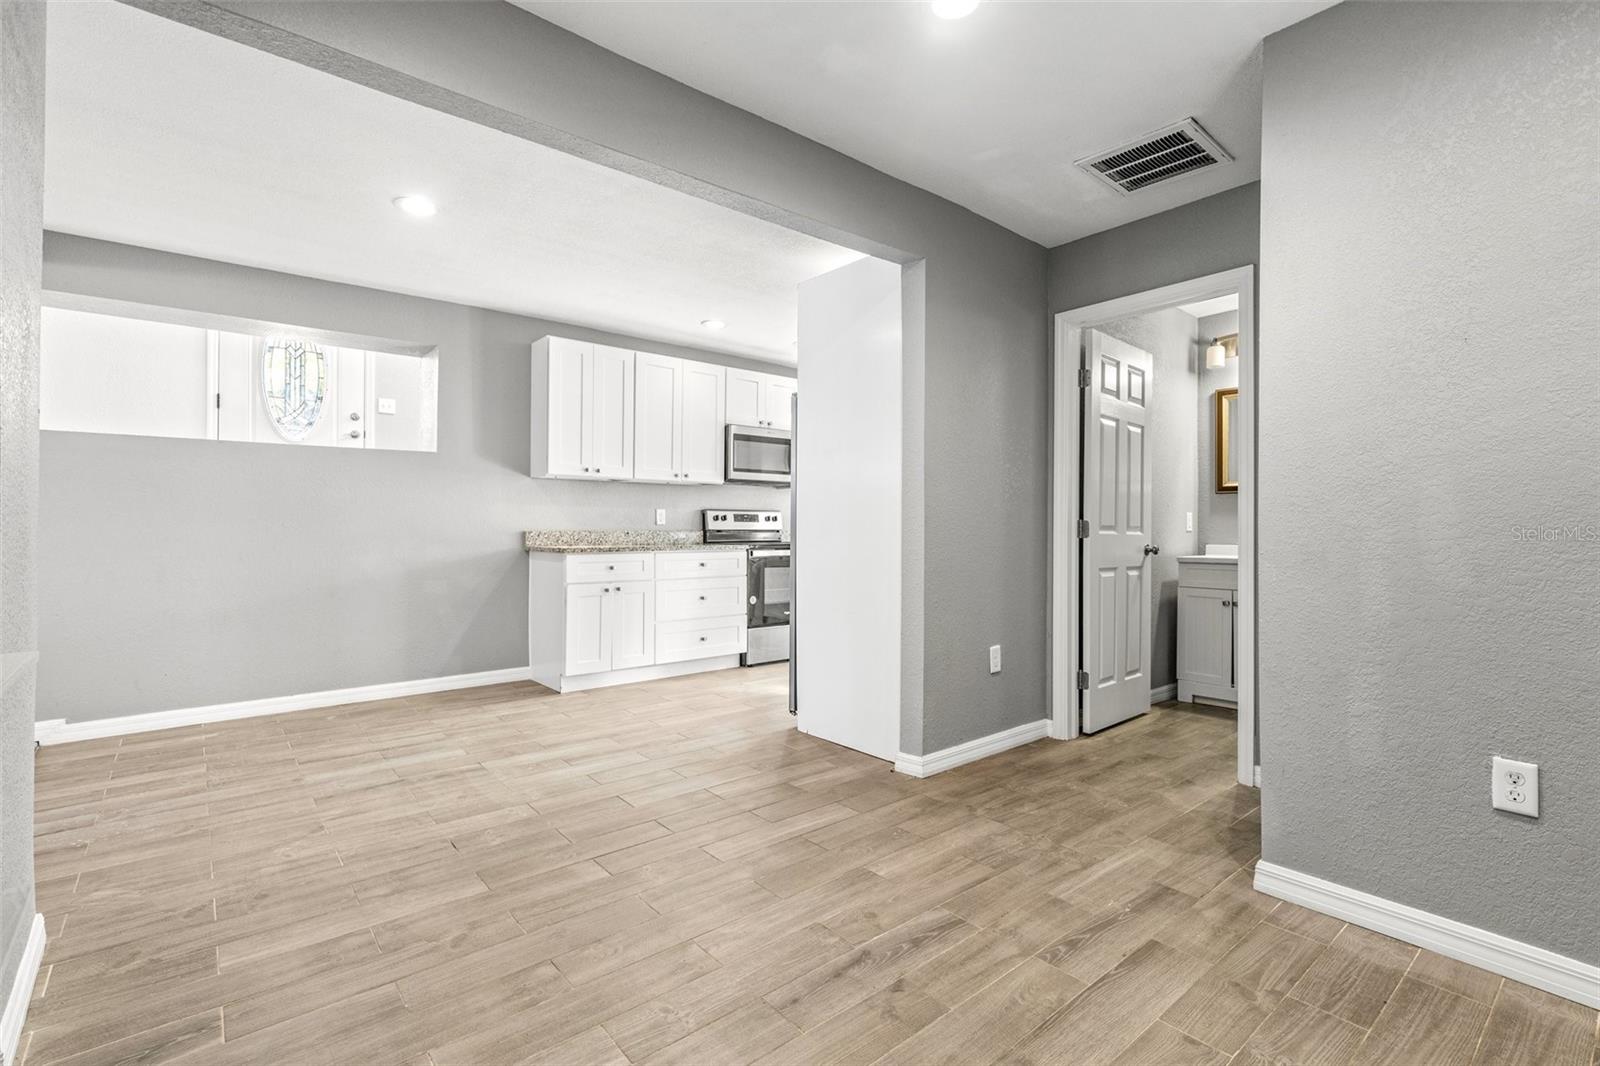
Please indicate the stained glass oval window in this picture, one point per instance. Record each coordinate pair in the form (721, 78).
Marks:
(294, 384)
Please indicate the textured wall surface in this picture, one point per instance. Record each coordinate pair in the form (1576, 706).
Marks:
(1170, 337)
(1218, 521)
(1430, 170)
(180, 573)
(22, 35)
(983, 430)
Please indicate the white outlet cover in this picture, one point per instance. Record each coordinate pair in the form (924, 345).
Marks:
(661, 516)
(386, 405)
(994, 658)
(1516, 787)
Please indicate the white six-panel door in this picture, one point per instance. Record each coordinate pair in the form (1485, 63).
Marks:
(1116, 503)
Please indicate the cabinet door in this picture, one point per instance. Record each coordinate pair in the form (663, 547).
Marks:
(570, 440)
(657, 391)
(775, 402)
(701, 427)
(588, 647)
(1205, 636)
(630, 609)
(745, 392)
(611, 412)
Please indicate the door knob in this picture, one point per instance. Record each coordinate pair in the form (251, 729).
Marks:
(355, 416)
(355, 434)
(1151, 549)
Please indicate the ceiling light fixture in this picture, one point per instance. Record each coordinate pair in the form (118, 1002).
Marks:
(416, 206)
(712, 323)
(954, 9)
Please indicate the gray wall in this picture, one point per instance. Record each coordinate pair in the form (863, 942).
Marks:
(1171, 338)
(1218, 521)
(1429, 170)
(982, 432)
(22, 34)
(180, 573)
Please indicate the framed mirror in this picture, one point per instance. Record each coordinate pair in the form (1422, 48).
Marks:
(1227, 473)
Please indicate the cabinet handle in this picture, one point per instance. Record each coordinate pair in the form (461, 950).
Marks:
(611, 566)
(702, 640)
(702, 598)
(702, 564)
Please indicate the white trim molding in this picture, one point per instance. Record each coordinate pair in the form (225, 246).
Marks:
(60, 731)
(1541, 968)
(21, 992)
(973, 750)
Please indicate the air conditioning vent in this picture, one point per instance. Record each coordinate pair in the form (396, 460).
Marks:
(1179, 149)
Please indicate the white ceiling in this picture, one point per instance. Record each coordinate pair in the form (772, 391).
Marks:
(164, 136)
(989, 111)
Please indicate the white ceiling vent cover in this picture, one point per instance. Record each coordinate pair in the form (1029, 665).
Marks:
(1170, 152)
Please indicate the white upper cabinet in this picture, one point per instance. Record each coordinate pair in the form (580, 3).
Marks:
(746, 391)
(678, 420)
(582, 404)
(606, 413)
(703, 409)
(759, 399)
(658, 400)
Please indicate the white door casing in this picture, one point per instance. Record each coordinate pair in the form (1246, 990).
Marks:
(1117, 474)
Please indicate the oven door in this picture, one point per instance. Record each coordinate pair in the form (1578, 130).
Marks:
(771, 587)
(759, 456)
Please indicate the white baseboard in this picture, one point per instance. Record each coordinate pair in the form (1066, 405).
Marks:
(973, 750)
(21, 992)
(633, 675)
(1164, 693)
(1568, 978)
(60, 731)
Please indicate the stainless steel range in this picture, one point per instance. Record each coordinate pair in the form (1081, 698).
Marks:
(770, 594)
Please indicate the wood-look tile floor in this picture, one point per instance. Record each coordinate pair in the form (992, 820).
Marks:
(670, 873)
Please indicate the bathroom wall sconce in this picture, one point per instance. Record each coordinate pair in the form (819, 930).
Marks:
(1221, 350)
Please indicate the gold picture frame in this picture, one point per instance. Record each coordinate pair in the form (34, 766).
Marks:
(1227, 404)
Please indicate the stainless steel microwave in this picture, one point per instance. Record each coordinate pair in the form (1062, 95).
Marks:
(759, 455)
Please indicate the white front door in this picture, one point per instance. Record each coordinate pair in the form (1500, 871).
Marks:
(1116, 504)
(352, 427)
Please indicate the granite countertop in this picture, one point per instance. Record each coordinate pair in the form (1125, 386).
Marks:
(611, 541)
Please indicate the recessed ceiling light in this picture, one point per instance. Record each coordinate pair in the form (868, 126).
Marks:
(954, 9)
(417, 206)
(712, 323)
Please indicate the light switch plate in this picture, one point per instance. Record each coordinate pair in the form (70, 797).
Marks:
(386, 405)
(1188, 521)
(661, 516)
(994, 658)
(1516, 787)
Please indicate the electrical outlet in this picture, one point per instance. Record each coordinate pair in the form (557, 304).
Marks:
(386, 405)
(994, 658)
(1516, 787)
(1188, 521)
(661, 516)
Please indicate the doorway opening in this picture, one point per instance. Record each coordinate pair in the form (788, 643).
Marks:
(1137, 620)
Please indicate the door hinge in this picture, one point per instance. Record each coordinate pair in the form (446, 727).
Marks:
(1083, 529)
(1083, 680)
(1083, 377)
(219, 401)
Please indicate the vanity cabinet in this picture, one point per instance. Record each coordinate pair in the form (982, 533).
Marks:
(582, 403)
(678, 419)
(756, 399)
(614, 617)
(1207, 629)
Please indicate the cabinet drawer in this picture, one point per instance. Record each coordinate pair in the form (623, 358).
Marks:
(699, 597)
(678, 642)
(1208, 575)
(621, 566)
(699, 564)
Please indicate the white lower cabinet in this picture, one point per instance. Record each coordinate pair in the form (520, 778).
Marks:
(1207, 613)
(611, 618)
